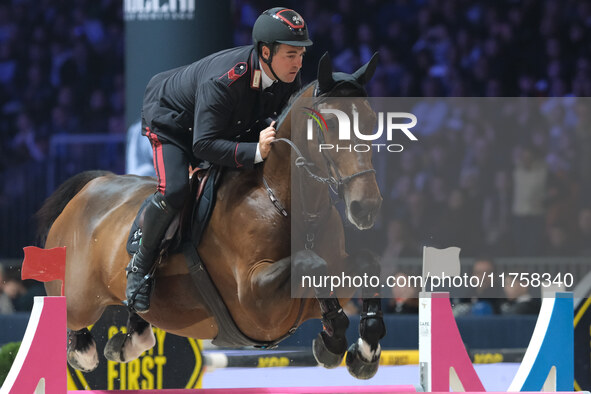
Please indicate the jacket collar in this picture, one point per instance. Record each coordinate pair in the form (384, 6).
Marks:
(266, 80)
(256, 77)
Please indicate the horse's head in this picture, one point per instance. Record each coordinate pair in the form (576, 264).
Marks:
(341, 104)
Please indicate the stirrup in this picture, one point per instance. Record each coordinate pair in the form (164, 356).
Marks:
(130, 302)
(145, 281)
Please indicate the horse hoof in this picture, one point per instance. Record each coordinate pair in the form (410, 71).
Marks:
(358, 367)
(114, 347)
(324, 356)
(81, 352)
(84, 362)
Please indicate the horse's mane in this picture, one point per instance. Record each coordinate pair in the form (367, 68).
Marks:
(290, 103)
(339, 90)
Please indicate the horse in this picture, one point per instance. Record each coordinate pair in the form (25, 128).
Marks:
(246, 246)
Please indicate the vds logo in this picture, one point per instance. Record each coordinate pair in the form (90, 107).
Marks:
(388, 122)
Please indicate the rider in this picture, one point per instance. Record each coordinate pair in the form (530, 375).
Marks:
(213, 110)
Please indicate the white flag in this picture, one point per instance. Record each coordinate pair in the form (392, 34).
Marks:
(440, 262)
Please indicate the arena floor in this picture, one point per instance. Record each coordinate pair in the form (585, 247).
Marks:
(494, 377)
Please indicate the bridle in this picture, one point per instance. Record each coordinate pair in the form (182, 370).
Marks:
(334, 179)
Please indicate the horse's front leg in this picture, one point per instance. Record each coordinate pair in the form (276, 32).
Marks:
(363, 357)
(125, 347)
(82, 354)
(330, 345)
(267, 286)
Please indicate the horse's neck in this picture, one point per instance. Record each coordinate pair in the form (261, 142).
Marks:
(278, 165)
(278, 171)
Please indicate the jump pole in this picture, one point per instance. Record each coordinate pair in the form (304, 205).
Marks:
(40, 364)
(548, 364)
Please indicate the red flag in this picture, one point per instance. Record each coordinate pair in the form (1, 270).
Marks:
(44, 265)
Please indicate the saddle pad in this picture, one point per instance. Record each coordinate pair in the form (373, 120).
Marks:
(200, 206)
(205, 204)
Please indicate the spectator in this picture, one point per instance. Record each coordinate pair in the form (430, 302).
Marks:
(138, 153)
(484, 299)
(562, 196)
(399, 243)
(529, 195)
(519, 300)
(497, 215)
(97, 116)
(21, 293)
(24, 145)
(405, 297)
(584, 232)
(560, 242)
(6, 306)
(452, 227)
(583, 148)
(16, 291)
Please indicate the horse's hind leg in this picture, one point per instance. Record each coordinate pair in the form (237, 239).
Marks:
(363, 357)
(82, 354)
(124, 347)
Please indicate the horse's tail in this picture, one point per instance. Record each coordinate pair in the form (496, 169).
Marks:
(55, 204)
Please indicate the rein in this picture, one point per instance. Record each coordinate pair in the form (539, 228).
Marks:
(335, 181)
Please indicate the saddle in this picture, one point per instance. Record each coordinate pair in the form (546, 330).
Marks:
(189, 223)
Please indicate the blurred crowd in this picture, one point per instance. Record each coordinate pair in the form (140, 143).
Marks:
(507, 178)
(61, 72)
(67, 78)
(515, 297)
(507, 191)
(498, 177)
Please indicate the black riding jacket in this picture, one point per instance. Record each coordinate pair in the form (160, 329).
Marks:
(215, 107)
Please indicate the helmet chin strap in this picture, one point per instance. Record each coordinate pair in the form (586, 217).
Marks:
(268, 63)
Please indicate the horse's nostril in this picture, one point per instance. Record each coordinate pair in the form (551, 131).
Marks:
(356, 209)
(364, 210)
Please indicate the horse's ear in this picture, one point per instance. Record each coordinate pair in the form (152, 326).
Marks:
(364, 74)
(325, 79)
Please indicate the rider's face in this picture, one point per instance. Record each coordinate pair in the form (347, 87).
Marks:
(287, 62)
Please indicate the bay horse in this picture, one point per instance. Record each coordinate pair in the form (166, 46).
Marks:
(246, 246)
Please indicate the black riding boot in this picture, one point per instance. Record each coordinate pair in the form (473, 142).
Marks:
(158, 215)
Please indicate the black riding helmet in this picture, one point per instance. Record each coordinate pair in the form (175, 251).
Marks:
(279, 26)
